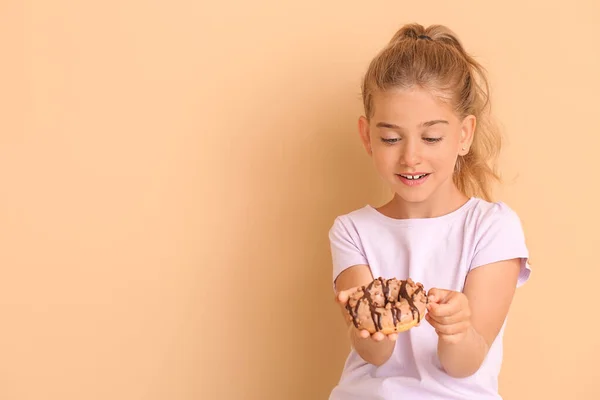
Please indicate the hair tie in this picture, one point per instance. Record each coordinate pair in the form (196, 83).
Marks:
(424, 37)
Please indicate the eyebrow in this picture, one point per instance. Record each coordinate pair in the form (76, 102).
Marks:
(424, 124)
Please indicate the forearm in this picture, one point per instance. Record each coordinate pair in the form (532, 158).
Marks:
(373, 352)
(463, 358)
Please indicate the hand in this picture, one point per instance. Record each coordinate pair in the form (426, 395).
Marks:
(342, 300)
(449, 313)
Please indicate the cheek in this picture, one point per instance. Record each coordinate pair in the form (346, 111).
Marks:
(386, 154)
(444, 160)
(385, 157)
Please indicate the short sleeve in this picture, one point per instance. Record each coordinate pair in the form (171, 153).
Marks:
(500, 237)
(346, 247)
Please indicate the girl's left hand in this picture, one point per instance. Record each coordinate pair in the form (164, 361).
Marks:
(449, 313)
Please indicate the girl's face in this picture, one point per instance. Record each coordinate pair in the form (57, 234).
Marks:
(414, 139)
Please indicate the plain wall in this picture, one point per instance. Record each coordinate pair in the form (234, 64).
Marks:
(169, 172)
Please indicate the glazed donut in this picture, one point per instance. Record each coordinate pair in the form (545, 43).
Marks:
(387, 305)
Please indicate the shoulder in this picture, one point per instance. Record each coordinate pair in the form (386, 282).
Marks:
(345, 236)
(350, 231)
(351, 221)
(488, 215)
(492, 209)
(497, 235)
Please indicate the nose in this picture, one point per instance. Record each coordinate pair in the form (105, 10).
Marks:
(411, 154)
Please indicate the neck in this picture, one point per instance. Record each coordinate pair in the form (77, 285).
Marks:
(437, 205)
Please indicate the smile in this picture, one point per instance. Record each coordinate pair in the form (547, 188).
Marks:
(413, 177)
(413, 180)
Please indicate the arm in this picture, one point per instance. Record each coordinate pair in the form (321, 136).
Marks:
(467, 323)
(373, 349)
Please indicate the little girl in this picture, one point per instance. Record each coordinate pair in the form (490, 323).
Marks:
(427, 130)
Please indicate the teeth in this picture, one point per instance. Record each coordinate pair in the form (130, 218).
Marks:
(412, 177)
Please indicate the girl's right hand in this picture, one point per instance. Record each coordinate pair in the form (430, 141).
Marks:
(342, 300)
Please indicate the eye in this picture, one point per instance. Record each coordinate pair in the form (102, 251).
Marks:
(432, 140)
(390, 141)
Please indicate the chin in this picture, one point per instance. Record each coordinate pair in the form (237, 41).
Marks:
(413, 196)
(417, 194)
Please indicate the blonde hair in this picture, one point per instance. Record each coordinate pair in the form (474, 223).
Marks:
(433, 58)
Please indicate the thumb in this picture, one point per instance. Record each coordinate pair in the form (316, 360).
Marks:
(436, 295)
(343, 295)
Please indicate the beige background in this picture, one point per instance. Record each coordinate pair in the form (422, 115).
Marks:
(169, 171)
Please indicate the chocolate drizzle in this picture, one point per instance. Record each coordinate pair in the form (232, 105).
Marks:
(353, 312)
(404, 294)
(392, 298)
(385, 284)
(375, 315)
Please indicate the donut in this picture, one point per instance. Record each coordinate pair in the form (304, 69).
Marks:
(387, 305)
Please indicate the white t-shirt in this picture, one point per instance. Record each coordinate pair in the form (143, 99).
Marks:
(438, 252)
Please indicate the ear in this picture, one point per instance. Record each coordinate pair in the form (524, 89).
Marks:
(365, 134)
(466, 134)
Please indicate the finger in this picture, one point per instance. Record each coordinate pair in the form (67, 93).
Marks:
(430, 319)
(437, 295)
(344, 295)
(453, 329)
(434, 323)
(378, 336)
(455, 338)
(449, 320)
(432, 298)
(363, 333)
(393, 337)
(444, 316)
(445, 309)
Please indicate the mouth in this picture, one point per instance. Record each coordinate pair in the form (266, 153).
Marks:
(413, 177)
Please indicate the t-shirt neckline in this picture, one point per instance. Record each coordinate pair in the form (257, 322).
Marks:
(419, 221)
